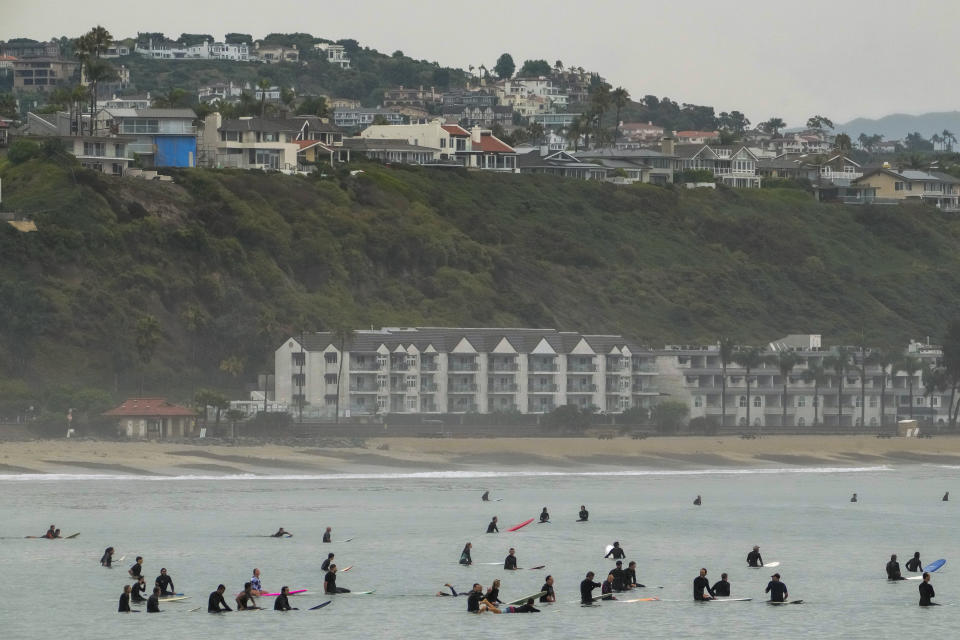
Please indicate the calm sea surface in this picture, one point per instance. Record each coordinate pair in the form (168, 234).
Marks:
(408, 531)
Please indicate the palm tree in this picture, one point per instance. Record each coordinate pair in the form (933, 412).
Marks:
(263, 85)
(936, 139)
(773, 125)
(620, 98)
(816, 374)
(726, 357)
(600, 98)
(839, 362)
(948, 139)
(864, 141)
(577, 128)
(749, 358)
(785, 361)
(169, 100)
(883, 359)
(910, 366)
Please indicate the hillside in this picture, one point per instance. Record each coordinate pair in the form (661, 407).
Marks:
(229, 263)
(896, 126)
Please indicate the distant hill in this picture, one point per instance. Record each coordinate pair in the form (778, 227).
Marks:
(897, 125)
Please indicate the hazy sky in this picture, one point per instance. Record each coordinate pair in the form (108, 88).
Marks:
(839, 58)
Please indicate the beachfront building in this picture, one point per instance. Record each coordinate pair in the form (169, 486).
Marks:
(817, 393)
(454, 370)
(153, 418)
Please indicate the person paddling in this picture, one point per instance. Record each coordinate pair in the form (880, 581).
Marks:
(107, 559)
(754, 559)
(281, 533)
(587, 585)
(927, 592)
(776, 589)
(914, 564)
(584, 514)
(125, 600)
(893, 569)
(524, 608)
(544, 516)
(282, 603)
(701, 584)
(327, 534)
(465, 554)
(616, 552)
(453, 592)
(216, 603)
(492, 527)
(326, 563)
(330, 582)
(510, 562)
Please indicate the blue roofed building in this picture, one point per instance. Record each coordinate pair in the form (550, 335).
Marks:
(163, 137)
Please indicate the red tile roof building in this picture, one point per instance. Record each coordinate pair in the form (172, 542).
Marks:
(153, 418)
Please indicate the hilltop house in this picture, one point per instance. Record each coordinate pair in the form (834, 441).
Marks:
(336, 54)
(474, 149)
(41, 74)
(639, 165)
(734, 166)
(558, 163)
(163, 137)
(360, 118)
(931, 187)
(271, 53)
(171, 50)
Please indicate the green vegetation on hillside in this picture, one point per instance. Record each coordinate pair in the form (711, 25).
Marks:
(195, 283)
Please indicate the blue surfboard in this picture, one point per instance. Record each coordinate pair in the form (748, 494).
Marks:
(933, 566)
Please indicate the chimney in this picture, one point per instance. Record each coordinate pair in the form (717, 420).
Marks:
(475, 134)
(668, 146)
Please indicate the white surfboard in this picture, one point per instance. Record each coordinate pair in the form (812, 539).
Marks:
(731, 599)
(771, 565)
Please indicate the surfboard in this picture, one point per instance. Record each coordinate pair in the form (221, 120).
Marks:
(525, 598)
(731, 599)
(771, 565)
(72, 536)
(543, 522)
(490, 563)
(930, 568)
(173, 598)
(359, 593)
(347, 540)
(539, 566)
(521, 525)
(347, 569)
(582, 521)
(643, 600)
(787, 602)
(607, 549)
(320, 606)
(293, 592)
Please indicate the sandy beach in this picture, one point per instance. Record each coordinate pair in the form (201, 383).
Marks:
(426, 454)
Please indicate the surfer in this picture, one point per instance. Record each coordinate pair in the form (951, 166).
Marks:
(255, 587)
(476, 602)
(547, 588)
(245, 598)
(853, 498)
(697, 501)
(326, 535)
(453, 592)
(616, 551)
(630, 576)
(493, 593)
(893, 569)
(281, 603)
(51, 533)
(525, 608)
(326, 563)
(587, 585)
(153, 602)
(139, 587)
(914, 564)
(721, 588)
(486, 496)
(465, 554)
(330, 582)
(492, 527)
(137, 567)
(754, 559)
(280, 533)
(163, 581)
(584, 514)
(125, 600)
(701, 584)
(216, 603)
(510, 562)
(946, 497)
(927, 592)
(776, 589)
(544, 516)
(617, 573)
(107, 558)
(606, 589)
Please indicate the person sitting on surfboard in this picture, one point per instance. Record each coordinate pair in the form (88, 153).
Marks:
(616, 551)
(776, 589)
(216, 603)
(125, 600)
(544, 516)
(486, 496)
(137, 589)
(606, 589)
(256, 588)
(326, 563)
(754, 559)
(281, 603)
(56, 534)
(493, 593)
(853, 498)
(465, 554)
(617, 573)
(927, 592)
(137, 567)
(326, 535)
(914, 564)
(630, 576)
(165, 583)
(525, 608)
(893, 569)
(153, 602)
(510, 562)
(547, 588)
(51, 533)
(245, 599)
(721, 588)
(280, 533)
(476, 602)
(107, 558)
(701, 584)
(946, 497)
(587, 585)
(330, 582)
(697, 501)
(492, 527)
(584, 514)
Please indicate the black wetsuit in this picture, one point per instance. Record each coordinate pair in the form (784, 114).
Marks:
(153, 604)
(618, 579)
(510, 562)
(926, 593)
(124, 603)
(584, 514)
(136, 590)
(630, 578)
(893, 571)
(281, 603)
(216, 603)
(135, 569)
(163, 582)
(473, 601)
(777, 591)
(326, 536)
(492, 527)
(549, 593)
(544, 517)
(721, 588)
(586, 590)
(325, 565)
(526, 608)
(465, 557)
(493, 596)
(617, 552)
(701, 584)
(106, 559)
(913, 564)
(754, 559)
(330, 584)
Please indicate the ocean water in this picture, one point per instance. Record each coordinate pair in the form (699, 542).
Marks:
(409, 529)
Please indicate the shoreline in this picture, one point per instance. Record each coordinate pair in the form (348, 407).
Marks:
(394, 455)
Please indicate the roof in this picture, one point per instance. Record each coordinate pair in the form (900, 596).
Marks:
(612, 152)
(306, 144)
(455, 130)
(377, 144)
(151, 112)
(490, 143)
(912, 175)
(149, 407)
(697, 134)
(261, 124)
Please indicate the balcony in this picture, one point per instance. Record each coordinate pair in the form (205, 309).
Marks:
(505, 366)
(364, 365)
(581, 388)
(428, 387)
(504, 388)
(542, 388)
(428, 366)
(462, 366)
(647, 388)
(581, 368)
(399, 366)
(363, 389)
(543, 367)
(462, 388)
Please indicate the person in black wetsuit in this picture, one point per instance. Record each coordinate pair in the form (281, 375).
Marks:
(618, 580)
(326, 563)
(465, 554)
(893, 569)
(51, 533)
(524, 608)
(216, 603)
(776, 589)
(701, 584)
(630, 576)
(165, 583)
(946, 497)
(584, 514)
(453, 592)
(137, 567)
(330, 582)
(587, 585)
(281, 603)
(327, 534)
(914, 564)
(927, 592)
(697, 501)
(492, 527)
(153, 602)
(549, 596)
(281, 533)
(617, 552)
(107, 558)
(606, 589)
(493, 593)
(721, 588)
(853, 498)
(486, 496)
(544, 516)
(245, 599)
(754, 559)
(510, 562)
(137, 589)
(476, 602)
(125, 600)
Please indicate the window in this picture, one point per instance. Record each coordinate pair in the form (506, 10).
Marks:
(858, 402)
(898, 186)
(758, 401)
(743, 401)
(873, 402)
(934, 401)
(873, 422)
(698, 401)
(411, 404)
(299, 379)
(801, 401)
(411, 382)
(330, 358)
(299, 359)
(330, 378)
(382, 382)
(801, 422)
(94, 149)
(920, 401)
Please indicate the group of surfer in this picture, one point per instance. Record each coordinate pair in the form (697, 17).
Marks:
(914, 565)
(52, 533)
